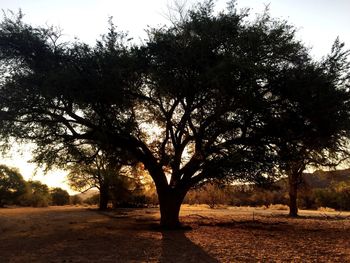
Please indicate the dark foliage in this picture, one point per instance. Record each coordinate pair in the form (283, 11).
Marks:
(59, 196)
(12, 185)
(210, 97)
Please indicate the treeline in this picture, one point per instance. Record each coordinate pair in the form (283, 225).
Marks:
(317, 190)
(14, 190)
(320, 189)
(142, 199)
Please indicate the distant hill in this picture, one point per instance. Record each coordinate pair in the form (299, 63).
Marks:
(323, 179)
(88, 194)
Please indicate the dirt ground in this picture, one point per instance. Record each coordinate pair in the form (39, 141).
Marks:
(78, 234)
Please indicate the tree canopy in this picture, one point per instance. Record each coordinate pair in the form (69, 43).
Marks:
(211, 96)
(310, 121)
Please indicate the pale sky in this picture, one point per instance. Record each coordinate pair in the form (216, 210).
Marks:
(319, 22)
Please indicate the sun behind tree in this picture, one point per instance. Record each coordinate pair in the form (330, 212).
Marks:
(209, 84)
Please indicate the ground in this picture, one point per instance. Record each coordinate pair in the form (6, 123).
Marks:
(80, 234)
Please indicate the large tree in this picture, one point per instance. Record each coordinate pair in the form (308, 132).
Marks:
(310, 123)
(193, 103)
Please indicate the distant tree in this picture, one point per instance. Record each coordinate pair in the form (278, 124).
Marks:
(214, 195)
(12, 185)
(193, 103)
(115, 182)
(311, 119)
(336, 195)
(93, 200)
(343, 190)
(39, 195)
(58, 196)
(100, 171)
(75, 200)
(130, 187)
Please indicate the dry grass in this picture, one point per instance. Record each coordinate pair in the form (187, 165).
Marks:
(279, 207)
(76, 234)
(326, 209)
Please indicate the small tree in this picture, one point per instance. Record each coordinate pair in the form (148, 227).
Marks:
(12, 185)
(75, 200)
(101, 170)
(214, 194)
(127, 187)
(59, 196)
(39, 194)
(93, 200)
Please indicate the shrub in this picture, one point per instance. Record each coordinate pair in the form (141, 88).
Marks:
(211, 194)
(92, 200)
(39, 201)
(59, 196)
(37, 195)
(75, 200)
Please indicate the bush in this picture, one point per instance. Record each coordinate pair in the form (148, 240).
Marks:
(214, 195)
(36, 195)
(335, 197)
(75, 200)
(93, 200)
(211, 194)
(39, 201)
(59, 196)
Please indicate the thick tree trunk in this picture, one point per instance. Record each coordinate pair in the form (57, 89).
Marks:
(293, 195)
(170, 202)
(170, 196)
(104, 198)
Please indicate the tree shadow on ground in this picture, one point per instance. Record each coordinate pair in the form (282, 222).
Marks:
(176, 247)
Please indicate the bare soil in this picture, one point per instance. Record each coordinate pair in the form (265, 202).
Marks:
(78, 234)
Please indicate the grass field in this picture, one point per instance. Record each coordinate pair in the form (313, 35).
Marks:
(79, 234)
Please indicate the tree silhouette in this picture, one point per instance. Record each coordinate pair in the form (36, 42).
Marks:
(93, 170)
(102, 170)
(59, 196)
(311, 119)
(12, 185)
(197, 101)
(39, 194)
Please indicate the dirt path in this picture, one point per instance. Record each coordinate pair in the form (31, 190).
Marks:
(73, 234)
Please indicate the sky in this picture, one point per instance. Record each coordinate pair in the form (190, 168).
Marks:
(319, 22)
